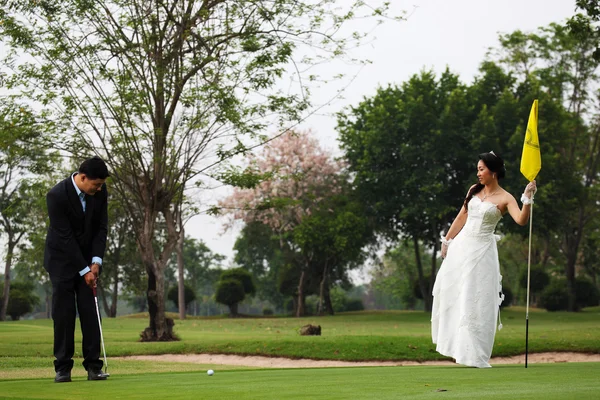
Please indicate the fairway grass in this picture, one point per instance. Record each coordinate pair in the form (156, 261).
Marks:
(26, 369)
(365, 336)
(540, 381)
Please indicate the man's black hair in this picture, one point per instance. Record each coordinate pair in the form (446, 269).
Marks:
(94, 168)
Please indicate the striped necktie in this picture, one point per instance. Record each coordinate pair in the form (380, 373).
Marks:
(82, 199)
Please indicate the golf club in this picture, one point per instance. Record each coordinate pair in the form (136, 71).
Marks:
(101, 335)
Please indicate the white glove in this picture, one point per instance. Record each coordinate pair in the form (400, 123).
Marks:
(527, 196)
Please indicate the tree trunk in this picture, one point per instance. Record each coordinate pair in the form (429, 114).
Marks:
(233, 310)
(573, 239)
(570, 275)
(103, 297)
(422, 283)
(294, 303)
(7, 266)
(161, 327)
(115, 294)
(180, 278)
(322, 286)
(328, 304)
(48, 305)
(300, 310)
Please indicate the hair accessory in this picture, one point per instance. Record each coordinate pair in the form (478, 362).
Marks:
(492, 152)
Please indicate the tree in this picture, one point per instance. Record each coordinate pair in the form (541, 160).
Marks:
(241, 275)
(336, 233)
(257, 251)
(199, 265)
(591, 263)
(538, 280)
(556, 65)
(411, 149)
(29, 263)
(23, 154)
(22, 300)
(580, 26)
(232, 288)
(230, 292)
(297, 175)
(121, 259)
(166, 92)
(396, 275)
(189, 295)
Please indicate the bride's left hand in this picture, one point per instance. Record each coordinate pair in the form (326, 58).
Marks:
(530, 189)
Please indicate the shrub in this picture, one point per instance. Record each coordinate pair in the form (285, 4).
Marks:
(586, 293)
(268, 311)
(189, 295)
(242, 275)
(538, 281)
(555, 297)
(508, 297)
(21, 299)
(230, 292)
(417, 288)
(354, 305)
(288, 305)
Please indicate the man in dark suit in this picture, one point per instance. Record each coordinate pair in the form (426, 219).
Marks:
(75, 245)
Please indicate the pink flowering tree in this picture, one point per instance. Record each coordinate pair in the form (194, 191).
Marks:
(296, 177)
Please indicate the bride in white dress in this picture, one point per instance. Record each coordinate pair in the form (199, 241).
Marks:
(467, 289)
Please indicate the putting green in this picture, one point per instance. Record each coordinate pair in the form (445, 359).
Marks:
(539, 381)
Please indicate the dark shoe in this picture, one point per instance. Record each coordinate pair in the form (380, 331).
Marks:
(96, 375)
(62, 377)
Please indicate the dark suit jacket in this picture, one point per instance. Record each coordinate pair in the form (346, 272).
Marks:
(74, 237)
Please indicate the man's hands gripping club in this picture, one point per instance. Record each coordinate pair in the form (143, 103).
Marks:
(92, 276)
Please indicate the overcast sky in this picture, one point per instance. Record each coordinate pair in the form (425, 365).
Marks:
(437, 34)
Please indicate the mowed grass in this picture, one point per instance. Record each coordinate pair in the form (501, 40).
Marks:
(26, 370)
(539, 381)
(351, 336)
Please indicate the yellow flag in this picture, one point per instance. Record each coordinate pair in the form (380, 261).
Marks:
(531, 159)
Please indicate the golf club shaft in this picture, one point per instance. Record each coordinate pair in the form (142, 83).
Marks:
(100, 326)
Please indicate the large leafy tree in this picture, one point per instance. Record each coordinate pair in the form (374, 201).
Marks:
(580, 25)
(298, 177)
(201, 268)
(557, 65)
(411, 150)
(122, 263)
(337, 232)
(257, 250)
(165, 90)
(23, 158)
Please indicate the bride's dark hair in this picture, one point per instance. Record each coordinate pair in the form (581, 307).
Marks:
(495, 164)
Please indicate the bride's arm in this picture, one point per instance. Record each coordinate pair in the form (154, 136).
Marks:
(521, 216)
(456, 227)
(457, 224)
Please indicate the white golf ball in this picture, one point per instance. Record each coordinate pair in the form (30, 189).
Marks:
(210, 372)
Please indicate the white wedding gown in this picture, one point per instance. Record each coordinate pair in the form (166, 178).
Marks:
(467, 290)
